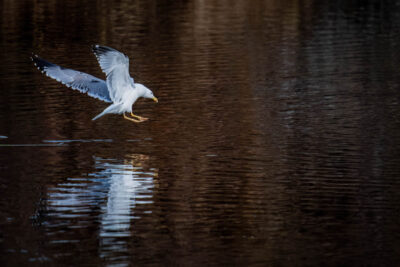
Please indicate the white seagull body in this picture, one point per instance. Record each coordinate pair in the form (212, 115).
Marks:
(118, 89)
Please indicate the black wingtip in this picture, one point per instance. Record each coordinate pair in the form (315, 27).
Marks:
(33, 56)
(40, 63)
(101, 49)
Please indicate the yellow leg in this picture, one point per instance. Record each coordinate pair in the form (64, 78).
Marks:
(139, 117)
(130, 119)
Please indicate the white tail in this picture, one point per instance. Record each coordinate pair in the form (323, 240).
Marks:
(113, 108)
(98, 116)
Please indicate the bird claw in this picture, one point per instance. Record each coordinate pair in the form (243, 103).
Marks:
(135, 118)
(140, 118)
(131, 119)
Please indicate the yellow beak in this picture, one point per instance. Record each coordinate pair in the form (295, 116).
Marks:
(155, 99)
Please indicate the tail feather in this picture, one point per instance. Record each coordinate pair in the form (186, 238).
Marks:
(113, 108)
(99, 115)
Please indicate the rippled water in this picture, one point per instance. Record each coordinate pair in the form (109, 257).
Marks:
(275, 141)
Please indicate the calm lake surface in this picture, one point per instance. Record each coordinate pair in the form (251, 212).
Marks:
(275, 142)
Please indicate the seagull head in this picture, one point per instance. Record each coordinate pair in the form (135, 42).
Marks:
(149, 94)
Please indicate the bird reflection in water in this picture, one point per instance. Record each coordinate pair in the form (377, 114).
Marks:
(115, 188)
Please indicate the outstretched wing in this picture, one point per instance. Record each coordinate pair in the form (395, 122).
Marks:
(116, 66)
(77, 80)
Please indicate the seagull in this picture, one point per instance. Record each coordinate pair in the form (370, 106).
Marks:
(119, 88)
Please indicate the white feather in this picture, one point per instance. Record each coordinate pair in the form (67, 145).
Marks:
(116, 67)
(118, 88)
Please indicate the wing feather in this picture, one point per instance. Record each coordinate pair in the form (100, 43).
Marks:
(116, 66)
(77, 80)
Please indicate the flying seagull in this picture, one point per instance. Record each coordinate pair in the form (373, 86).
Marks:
(119, 88)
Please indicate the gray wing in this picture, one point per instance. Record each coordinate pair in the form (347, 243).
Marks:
(116, 66)
(77, 80)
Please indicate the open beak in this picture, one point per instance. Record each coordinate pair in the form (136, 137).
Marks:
(155, 99)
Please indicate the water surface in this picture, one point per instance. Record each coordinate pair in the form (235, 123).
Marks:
(275, 141)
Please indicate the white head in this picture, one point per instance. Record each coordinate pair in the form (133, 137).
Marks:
(147, 93)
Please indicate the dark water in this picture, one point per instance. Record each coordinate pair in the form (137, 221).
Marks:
(276, 141)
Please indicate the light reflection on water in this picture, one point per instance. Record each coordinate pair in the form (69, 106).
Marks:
(115, 188)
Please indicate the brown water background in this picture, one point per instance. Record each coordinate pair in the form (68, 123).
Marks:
(275, 142)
